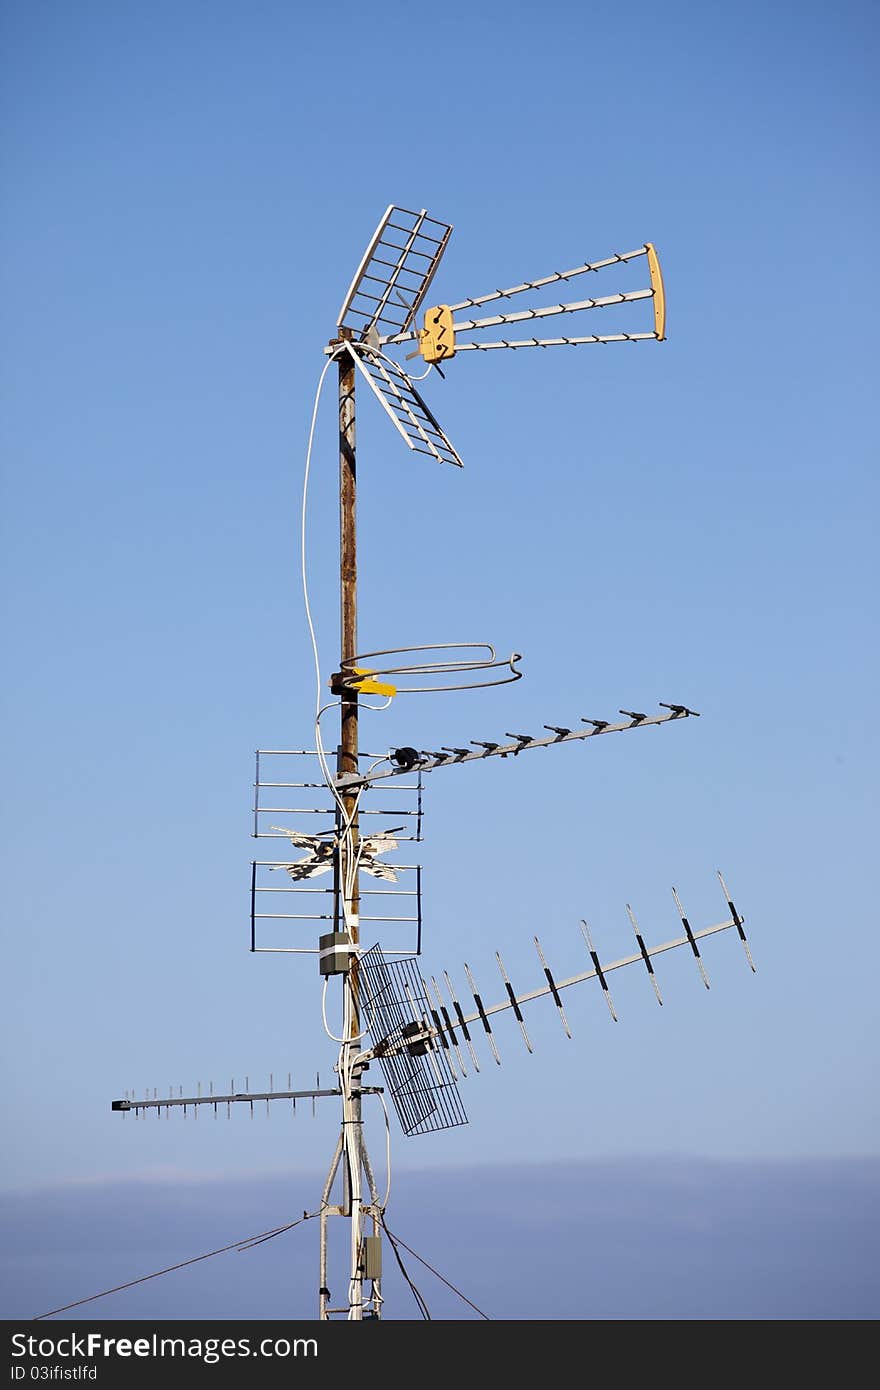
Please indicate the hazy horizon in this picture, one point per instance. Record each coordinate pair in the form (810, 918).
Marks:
(628, 1239)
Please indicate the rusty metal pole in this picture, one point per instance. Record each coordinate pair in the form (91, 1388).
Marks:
(347, 876)
(348, 741)
(348, 747)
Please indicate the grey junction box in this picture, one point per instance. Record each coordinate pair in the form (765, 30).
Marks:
(334, 953)
(371, 1257)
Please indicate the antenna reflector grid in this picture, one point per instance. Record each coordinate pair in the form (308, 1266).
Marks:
(395, 273)
(293, 895)
(424, 1094)
(407, 410)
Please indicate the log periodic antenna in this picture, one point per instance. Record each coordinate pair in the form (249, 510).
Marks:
(427, 1029)
(422, 1037)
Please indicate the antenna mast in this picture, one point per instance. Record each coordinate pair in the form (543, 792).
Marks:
(345, 872)
(420, 1040)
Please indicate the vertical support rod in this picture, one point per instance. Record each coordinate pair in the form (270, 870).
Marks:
(348, 744)
(346, 857)
(254, 908)
(323, 1290)
(348, 563)
(377, 1211)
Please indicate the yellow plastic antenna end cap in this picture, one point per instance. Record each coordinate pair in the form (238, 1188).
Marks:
(659, 292)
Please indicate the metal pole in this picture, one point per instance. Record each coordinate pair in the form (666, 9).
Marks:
(348, 750)
(376, 1211)
(346, 857)
(323, 1290)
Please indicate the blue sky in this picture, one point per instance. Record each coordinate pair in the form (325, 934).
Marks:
(189, 189)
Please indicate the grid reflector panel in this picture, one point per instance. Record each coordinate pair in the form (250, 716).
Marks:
(399, 398)
(393, 277)
(423, 1089)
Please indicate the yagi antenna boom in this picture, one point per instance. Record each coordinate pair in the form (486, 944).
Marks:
(213, 1099)
(427, 761)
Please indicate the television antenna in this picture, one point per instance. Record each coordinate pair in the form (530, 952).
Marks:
(421, 1038)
